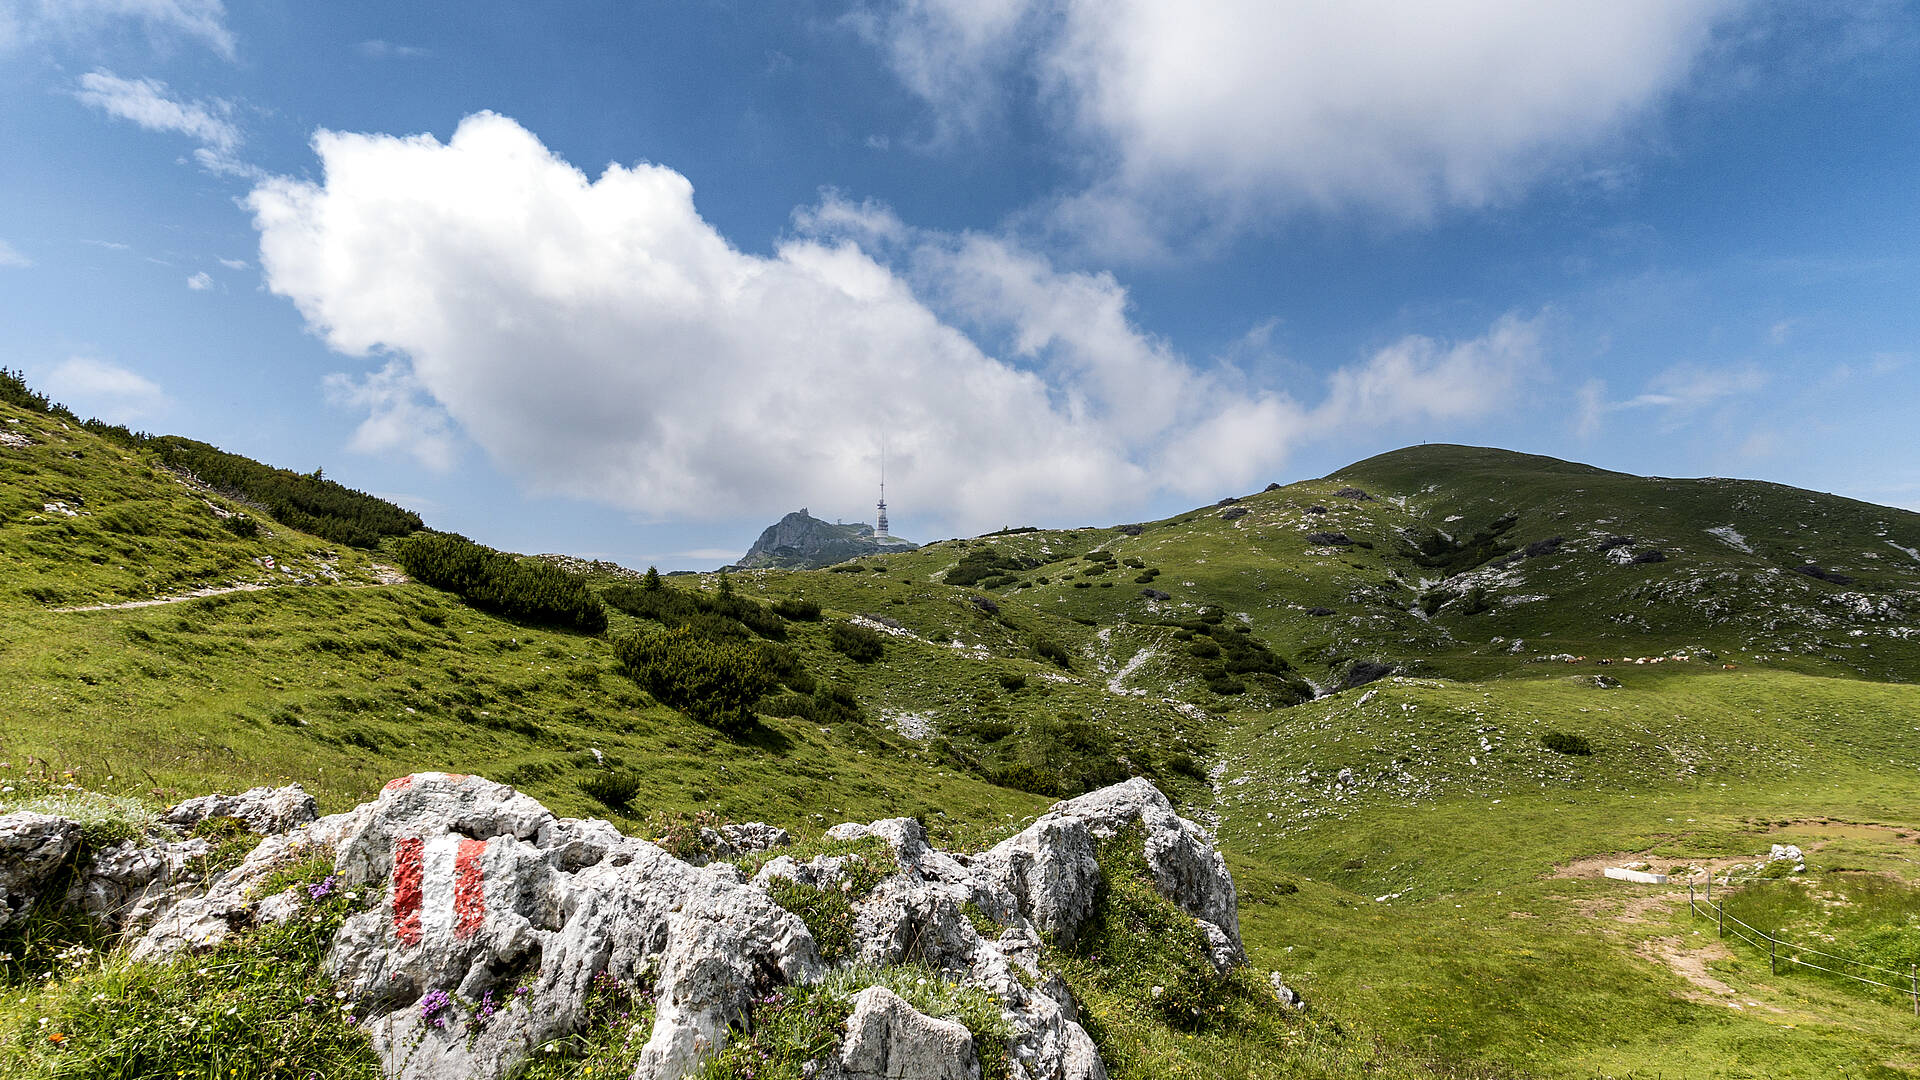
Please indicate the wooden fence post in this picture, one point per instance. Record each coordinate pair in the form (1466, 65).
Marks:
(1913, 972)
(1773, 955)
(1720, 918)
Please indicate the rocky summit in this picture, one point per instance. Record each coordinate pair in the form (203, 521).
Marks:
(482, 927)
(801, 541)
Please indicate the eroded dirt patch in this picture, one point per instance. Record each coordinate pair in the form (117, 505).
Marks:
(1691, 965)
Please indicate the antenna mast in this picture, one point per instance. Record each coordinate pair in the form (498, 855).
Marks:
(880, 526)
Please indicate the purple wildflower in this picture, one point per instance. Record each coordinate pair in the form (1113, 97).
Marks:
(323, 889)
(433, 1004)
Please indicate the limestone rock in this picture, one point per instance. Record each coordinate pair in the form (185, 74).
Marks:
(887, 1039)
(733, 841)
(488, 921)
(1050, 864)
(193, 915)
(488, 889)
(33, 847)
(1288, 995)
(127, 884)
(802, 541)
(261, 809)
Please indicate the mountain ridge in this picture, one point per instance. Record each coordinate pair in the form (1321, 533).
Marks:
(801, 541)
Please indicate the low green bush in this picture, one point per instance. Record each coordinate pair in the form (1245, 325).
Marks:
(717, 615)
(982, 563)
(1050, 650)
(305, 501)
(1562, 742)
(856, 643)
(526, 590)
(715, 683)
(242, 526)
(797, 609)
(612, 788)
(822, 707)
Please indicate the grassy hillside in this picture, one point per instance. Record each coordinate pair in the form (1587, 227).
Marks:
(88, 520)
(1355, 679)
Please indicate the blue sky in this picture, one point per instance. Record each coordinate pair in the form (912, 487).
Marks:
(631, 279)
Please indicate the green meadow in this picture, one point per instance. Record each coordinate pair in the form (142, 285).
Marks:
(1377, 700)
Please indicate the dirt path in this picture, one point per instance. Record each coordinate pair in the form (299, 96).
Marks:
(385, 575)
(196, 594)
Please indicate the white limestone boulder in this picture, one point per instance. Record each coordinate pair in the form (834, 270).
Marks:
(262, 809)
(33, 848)
(887, 1039)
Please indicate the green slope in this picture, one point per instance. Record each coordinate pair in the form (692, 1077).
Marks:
(1402, 847)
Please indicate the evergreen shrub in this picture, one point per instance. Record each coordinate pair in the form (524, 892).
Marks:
(715, 683)
(524, 590)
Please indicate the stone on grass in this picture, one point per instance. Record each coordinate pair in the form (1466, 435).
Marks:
(261, 809)
(887, 1039)
(33, 847)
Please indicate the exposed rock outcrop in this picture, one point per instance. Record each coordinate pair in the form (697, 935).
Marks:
(801, 541)
(261, 809)
(887, 1039)
(482, 906)
(33, 848)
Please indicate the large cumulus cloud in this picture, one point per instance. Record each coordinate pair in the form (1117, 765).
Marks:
(598, 338)
(1215, 116)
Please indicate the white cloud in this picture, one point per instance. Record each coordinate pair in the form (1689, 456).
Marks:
(109, 391)
(376, 49)
(1690, 386)
(1419, 378)
(724, 555)
(235, 264)
(1591, 414)
(1677, 392)
(400, 415)
(11, 257)
(162, 20)
(200, 282)
(958, 54)
(148, 103)
(1218, 115)
(599, 339)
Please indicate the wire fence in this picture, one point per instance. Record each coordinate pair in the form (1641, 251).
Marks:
(1788, 955)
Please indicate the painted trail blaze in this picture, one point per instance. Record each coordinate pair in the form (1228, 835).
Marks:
(469, 888)
(408, 869)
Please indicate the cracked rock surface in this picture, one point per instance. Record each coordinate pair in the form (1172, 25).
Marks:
(478, 895)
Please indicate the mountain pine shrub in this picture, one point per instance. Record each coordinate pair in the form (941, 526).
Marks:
(305, 501)
(1561, 742)
(856, 643)
(524, 590)
(715, 683)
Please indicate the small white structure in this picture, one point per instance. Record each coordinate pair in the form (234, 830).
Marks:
(1643, 877)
